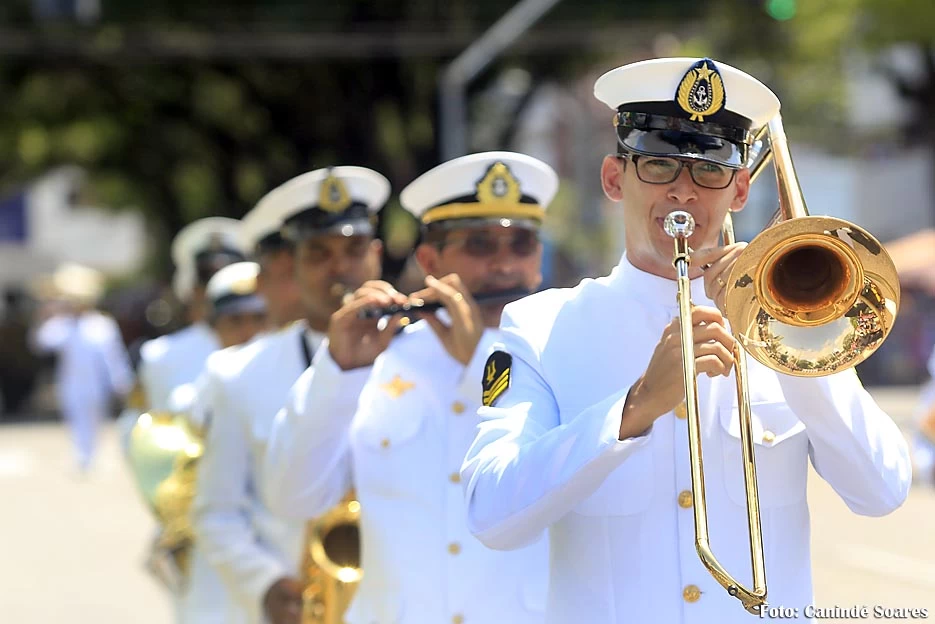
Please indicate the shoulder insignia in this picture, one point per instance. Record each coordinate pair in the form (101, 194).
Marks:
(496, 376)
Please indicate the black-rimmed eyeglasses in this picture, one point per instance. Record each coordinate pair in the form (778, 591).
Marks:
(664, 170)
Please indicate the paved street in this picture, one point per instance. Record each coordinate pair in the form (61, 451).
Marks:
(71, 549)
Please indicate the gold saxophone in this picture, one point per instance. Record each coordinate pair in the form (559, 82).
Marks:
(331, 565)
(164, 453)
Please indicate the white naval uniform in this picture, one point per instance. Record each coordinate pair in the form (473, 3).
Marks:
(92, 367)
(241, 539)
(172, 360)
(619, 513)
(167, 363)
(401, 448)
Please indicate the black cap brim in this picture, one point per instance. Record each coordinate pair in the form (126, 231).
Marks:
(680, 144)
(299, 231)
(245, 304)
(480, 222)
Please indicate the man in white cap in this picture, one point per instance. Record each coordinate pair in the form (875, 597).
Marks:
(329, 215)
(170, 365)
(584, 437)
(263, 240)
(92, 367)
(237, 310)
(198, 251)
(236, 313)
(401, 445)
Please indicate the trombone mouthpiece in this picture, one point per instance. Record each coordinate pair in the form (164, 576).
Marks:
(679, 224)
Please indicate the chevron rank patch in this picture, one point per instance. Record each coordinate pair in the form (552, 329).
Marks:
(496, 376)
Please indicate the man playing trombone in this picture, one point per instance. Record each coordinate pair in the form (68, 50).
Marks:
(401, 445)
(587, 435)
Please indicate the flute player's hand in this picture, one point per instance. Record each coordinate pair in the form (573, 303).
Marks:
(354, 342)
(467, 323)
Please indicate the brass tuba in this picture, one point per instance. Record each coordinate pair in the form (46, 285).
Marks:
(809, 296)
(164, 450)
(332, 563)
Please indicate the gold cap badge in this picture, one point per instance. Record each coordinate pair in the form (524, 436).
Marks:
(701, 91)
(499, 186)
(333, 195)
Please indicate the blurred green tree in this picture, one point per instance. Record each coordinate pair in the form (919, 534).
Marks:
(182, 109)
(807, 50)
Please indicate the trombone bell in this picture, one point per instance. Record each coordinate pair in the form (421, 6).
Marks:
(810, 296)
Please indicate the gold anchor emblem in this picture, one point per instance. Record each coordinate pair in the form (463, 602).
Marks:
(701, 91)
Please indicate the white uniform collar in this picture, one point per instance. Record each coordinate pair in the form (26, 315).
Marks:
(313, 339)
(656, 290)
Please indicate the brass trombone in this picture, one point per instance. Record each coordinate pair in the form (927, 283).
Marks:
(809, 296)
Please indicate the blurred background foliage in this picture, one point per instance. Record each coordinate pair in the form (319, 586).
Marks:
(181, 109)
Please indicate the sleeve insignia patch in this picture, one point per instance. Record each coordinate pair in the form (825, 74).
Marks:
(496, 376)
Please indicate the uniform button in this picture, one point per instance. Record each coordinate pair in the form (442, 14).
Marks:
(385, 443)
(454, 548)
(685, 499)
(454, 477)
(681, 412)
(457, 407)
(691, 593)
(768, 437)
(457, 619)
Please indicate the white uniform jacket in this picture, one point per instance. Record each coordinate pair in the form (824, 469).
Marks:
(93, 364)
(170, 361)
(242, 540)
(401, 449)
(619, 513)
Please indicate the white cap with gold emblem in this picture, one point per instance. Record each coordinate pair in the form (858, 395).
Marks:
(208, 234)
(261, 229)
(687, 107)
(499, 187)
(201, 248)
(335, 200)
(233, 290)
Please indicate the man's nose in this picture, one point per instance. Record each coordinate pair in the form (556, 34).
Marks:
(682, 189)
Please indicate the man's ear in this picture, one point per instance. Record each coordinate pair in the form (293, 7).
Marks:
(427, 257)
(612, 170)
(742, 190)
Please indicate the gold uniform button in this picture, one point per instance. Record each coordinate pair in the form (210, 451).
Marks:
(685, 499)
(454, 477)
(385, 443)
(691, 593)
(457, 407)
(454, 548)
(458, 619)
(681, 412)
(768, 437)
